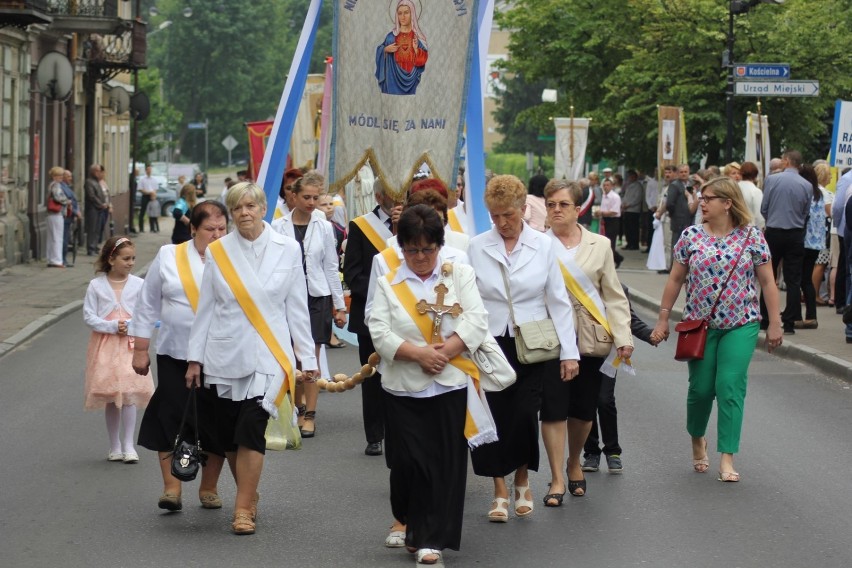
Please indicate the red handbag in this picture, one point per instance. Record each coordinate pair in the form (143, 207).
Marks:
(53, 206)
(692, 334)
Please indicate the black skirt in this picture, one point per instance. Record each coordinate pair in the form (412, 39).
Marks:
(428, 466)
(515, 412)
(162, 417)
(320, 310)
(577, 398)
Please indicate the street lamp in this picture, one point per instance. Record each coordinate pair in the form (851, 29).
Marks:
(736, 7)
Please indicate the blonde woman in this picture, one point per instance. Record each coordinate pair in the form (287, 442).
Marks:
(723, 244)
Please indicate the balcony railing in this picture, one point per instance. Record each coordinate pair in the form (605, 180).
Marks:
(22, 13)
(87, 16)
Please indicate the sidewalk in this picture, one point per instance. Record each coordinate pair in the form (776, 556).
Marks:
(824, 348)
(33, 297)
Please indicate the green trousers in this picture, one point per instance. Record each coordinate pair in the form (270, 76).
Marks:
(723, 375)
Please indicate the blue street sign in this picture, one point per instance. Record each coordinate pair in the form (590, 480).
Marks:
(761, 71)
(196, 126)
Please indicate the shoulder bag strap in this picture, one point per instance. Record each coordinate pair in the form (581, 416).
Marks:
(731, 273)
(508, 294)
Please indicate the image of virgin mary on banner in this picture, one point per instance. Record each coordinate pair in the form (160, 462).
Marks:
(417, 54)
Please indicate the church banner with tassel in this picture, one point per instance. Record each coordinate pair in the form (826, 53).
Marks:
(671, 145)
(402, 72)
(757, 149)
(572, 136)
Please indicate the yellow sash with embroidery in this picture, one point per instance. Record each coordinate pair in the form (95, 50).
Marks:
(391, 258)
(473, 426)
(256, 318)
(453, 221)
(187, 280)
(583, 297)
(370, 232)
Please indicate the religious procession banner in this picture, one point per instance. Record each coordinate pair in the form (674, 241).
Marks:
(305, 139)
(258, 136)
(757, 149)
(671, 144)
(841, 136)
(402, 71)
(572, 137)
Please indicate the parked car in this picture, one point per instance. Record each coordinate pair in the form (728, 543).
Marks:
(166, 196)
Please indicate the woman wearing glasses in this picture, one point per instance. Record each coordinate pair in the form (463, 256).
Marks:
(723, 247)
(527, 260)
(587, 270)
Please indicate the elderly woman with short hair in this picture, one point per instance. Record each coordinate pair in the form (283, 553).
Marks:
(425, 385)
(525, 258)
(56, 219)
(587, 267)
(251, 324)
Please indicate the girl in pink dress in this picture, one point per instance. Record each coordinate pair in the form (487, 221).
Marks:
(111, 382)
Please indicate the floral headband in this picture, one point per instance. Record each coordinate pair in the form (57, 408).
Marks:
(118, 243)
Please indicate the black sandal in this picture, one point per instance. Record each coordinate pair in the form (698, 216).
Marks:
(312, 416)
(574, 486)
(554, 496)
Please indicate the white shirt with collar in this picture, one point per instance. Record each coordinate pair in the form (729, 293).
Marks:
(538, 290)
(380, 268)
(163, 298)
(321, 259)
(391, 325)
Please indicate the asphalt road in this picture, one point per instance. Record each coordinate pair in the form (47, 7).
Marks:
(64, 505)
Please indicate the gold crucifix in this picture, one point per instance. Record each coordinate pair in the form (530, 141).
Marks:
(439, 309)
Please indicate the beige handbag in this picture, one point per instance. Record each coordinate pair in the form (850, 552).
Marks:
(535, 341)
(593, 340)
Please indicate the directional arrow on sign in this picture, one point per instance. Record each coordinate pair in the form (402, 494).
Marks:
(777, 88)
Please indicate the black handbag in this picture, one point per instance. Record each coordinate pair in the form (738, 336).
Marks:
(187, 456)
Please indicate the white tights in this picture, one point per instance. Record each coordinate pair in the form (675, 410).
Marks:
(124, 416)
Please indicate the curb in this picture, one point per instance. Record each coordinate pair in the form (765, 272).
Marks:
(47, 320)
(824, 362)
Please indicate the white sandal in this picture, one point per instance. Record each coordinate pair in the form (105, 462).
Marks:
(424, 552)
(499, 512)
(520, 501)
(396, 539)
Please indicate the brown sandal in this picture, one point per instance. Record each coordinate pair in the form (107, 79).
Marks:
(310, 415)
(210, 500)
(243, 523)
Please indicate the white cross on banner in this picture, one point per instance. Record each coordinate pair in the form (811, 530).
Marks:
(402, 69)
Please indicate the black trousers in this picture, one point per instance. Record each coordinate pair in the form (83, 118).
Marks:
(840, 276)
(371, 395)
(143, 207)
(612, 225)
(787, 245)
(631, 229)
(607, 417)
(808, 289)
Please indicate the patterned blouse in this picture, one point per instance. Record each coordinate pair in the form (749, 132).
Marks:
(709, 260)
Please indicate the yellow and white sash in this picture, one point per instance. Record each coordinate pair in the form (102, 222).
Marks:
(279, 209)
(479, 425)
(391, 258)
(457, 220)
(373, 228)
(581, 287)
(256, 306)
(188, 265)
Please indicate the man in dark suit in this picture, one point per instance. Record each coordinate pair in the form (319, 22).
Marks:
(357, 263)
(679, 206)
(95, 204)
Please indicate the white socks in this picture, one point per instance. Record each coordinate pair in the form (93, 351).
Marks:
(115, 417)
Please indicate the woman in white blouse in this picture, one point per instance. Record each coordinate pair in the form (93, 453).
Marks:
(315, 236)
(424, 385)
(167, 297)
(527, 258)
(251, 324)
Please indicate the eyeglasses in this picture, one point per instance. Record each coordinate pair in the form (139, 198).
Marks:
(560, 204)
(709, 198)
(428, 251)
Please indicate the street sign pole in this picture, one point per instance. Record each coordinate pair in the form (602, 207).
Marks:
(206, 144)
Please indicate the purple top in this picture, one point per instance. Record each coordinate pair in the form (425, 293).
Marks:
(709, 260)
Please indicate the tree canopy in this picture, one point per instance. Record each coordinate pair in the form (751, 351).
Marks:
(616, 61)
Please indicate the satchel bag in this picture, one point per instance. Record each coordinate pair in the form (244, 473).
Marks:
(187, 456)
(692, 334)
(535, 341)
(593, 340)
(54, 206)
